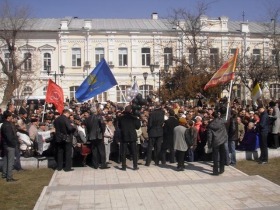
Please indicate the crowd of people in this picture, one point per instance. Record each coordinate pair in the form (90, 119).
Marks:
(159, 132)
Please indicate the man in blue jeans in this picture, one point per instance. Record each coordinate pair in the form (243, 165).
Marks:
(9, 143)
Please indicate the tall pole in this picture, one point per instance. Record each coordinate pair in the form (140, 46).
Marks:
(55, 77)
(159, 74)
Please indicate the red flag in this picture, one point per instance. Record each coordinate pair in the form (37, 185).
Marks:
(55, 95)
(225, 73)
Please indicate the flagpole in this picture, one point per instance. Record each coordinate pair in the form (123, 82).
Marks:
(122, 93)
(230, 89)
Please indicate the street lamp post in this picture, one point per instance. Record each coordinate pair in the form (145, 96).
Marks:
(160, 73)
(145, 75)
(61, 68)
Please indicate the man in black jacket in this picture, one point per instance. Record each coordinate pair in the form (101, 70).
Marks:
(63, 126)
(168, 142)
(216, 137)
(232, 137)
(95, 128)
(128, 125)
(263, 128)
(155, 133)
(9, 143)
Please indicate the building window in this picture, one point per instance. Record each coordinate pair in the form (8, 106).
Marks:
(103, 97)
(76, 57)
(8, 62)
(45, 90)
(27, 91)
(232, 51)
(236, 91)
(73, 91)
(274, 58)
(122, 56)
(191, 56)
(146, 56)
(121, 93)
(275, 91)
(47, 61)
(167, 56)
(256, 55)
(214, 56)
(99, 54)
(27, 63)
(149, 90)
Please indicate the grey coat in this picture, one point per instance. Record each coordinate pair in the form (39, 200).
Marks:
(275, 117)
(216, 133)
(179, 138)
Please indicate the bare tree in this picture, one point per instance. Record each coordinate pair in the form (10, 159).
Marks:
(188, 23)
(193, 72)
(13, 21)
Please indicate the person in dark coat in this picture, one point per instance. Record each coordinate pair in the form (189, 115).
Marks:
(155, 132)
(63, 126)
(9, 143)
(232, 137)
(168, 142)
(95, 127)
(217, 136)
(263, 129)
(128, 124)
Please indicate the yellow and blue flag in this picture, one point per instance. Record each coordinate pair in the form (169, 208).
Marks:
(99, 80)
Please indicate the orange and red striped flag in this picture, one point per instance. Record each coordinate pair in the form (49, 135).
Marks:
(224, 74)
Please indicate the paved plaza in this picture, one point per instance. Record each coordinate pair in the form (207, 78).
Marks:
(158, 187)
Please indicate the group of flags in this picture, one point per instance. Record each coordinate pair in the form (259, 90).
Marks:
(98, 81)
(102, 79)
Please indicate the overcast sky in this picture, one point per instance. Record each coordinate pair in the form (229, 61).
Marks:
(255, 10)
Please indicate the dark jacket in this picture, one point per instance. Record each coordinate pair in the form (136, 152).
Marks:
(9, 135)
(128, 125)
(233, 129)
(216, 133)
(168, 128)
(263, 125)
(155, 123)
(95, 127)
(63, 125)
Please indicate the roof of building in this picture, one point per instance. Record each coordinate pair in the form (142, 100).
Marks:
(135, 25)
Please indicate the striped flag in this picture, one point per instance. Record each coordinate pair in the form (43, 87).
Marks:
(256, 93)
(224, 74)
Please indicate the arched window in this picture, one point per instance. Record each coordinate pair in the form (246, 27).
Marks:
(148, 90)
(27, 91)
(102, 97)
(275, 91)
(121, 93)
(236, 91)
(73, 91)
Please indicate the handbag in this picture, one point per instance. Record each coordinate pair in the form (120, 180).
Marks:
(207, 149)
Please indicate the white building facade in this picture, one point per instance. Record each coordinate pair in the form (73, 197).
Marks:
(129, 46)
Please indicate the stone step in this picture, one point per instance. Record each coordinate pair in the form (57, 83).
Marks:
(43, 162)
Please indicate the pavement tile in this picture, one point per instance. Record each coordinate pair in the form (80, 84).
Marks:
(158, 188)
